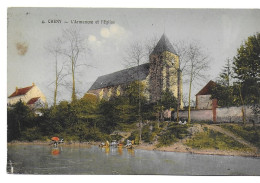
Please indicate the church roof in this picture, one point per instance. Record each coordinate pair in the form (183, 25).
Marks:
(121, 77)
(20, 91)
(163, 45)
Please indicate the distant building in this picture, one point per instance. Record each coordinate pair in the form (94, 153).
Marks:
(160, 74)
(203, 97)
(31, 96)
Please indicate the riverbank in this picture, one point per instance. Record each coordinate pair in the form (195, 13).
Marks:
(176, 147)
(180, 147)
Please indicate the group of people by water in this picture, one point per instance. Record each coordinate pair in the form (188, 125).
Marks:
(114, 143)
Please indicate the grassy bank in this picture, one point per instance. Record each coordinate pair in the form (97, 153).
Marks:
(249, 133)
(210, 139)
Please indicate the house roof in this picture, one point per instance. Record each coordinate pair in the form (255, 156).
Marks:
(206, 89)
(121, 77)
(20, 91)
(163, 45)
(33, 100)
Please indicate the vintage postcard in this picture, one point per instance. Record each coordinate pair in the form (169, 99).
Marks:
(133, 91)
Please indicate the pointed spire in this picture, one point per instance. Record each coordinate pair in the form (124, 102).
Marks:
(163, 45)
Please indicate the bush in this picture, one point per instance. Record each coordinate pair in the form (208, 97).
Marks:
(116, 137)
(147, 134)
(134, 136)
(173, 132)
(31, 134)
(166, 139)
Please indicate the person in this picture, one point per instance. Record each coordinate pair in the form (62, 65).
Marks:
(107, 143)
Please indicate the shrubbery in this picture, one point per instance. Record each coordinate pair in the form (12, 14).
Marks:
(172, 133)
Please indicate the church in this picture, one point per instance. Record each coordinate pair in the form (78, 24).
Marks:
(159, 74)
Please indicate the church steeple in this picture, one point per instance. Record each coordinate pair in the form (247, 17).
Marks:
(163, 45)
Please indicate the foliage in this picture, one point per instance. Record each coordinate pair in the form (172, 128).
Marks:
(148, 134)
(168, 100)
(135, 136)
(166, 139)
(247, 69)
(249, 133)
(31, 134)
(19, 118)
(224, 91)
(86, 119)
(172, 133)
(210, 139)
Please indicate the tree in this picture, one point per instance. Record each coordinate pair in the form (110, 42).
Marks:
(134, 56)
(74, 48)
(54, 48)
(181, 48)
(19, 118)
(193, 63)
(223, 91)
(247, 69)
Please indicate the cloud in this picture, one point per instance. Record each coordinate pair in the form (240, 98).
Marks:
(112, 36)
(92, 38)
(114, 31)
(21, 48)
(104, 32)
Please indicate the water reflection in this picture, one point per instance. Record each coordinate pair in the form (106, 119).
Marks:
(117, 150)
(131, 152)
(56, 151)
(120, 150)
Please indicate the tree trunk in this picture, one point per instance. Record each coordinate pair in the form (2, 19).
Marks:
(73, 97)
(178, 85)
(56, 83)
(189, 118)
(139, 107)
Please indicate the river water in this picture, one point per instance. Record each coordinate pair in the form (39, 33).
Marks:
(43, 159)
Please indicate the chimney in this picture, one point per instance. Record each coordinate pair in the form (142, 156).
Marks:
(16, 90)
(33, 84)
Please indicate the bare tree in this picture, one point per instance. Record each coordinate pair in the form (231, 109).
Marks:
(193, 64)
(181, 49)
(54, 48)
(135, 55)
(74, 48)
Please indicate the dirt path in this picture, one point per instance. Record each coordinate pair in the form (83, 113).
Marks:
(232, 135)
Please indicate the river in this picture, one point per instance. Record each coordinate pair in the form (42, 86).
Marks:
(44, 159)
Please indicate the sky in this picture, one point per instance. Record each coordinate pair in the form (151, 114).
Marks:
(218, 31)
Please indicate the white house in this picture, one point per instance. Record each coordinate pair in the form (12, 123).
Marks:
(31, 95)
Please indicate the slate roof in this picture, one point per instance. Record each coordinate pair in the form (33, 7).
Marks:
(33, 100)
(121, 77)
(163, 45)
(20, 91)
(206, 89)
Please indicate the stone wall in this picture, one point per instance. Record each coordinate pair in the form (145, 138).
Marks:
(196, 115)
(231, 114)
(234, 114)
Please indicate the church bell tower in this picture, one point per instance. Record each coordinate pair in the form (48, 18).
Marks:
(163, 73)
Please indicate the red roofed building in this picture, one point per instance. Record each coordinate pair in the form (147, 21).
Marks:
(203, 97)
(31, 95)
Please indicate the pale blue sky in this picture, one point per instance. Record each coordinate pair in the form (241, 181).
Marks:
(219, 31)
